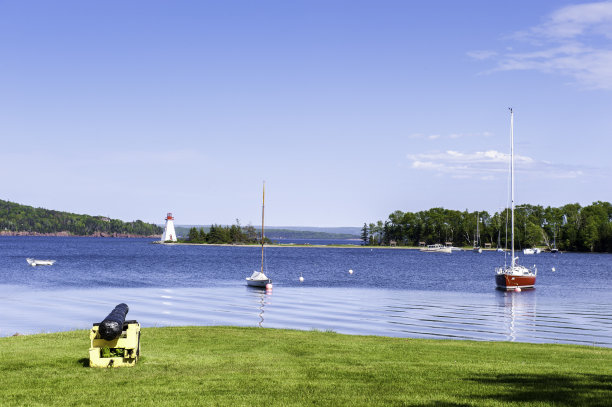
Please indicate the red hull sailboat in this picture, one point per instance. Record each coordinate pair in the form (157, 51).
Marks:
(512, 281)
(514, 276)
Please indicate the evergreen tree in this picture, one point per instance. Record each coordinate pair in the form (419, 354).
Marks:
(203, 237)
(194, 236)
(364, 234)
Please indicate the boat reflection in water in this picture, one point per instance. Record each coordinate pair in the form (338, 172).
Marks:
(260, 294)
(519, 315)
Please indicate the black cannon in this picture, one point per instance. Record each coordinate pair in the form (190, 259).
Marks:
(112, 326)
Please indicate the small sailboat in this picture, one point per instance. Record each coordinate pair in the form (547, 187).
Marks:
(477, 247)
(515, 276)
(35, 262)
(554, 248)
(258, 278)
(499, 248)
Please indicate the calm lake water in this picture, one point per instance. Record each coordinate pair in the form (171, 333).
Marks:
(392, 292)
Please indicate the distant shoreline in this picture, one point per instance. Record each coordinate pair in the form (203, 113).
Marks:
(301, 245)
(68, 234)
(316, 246)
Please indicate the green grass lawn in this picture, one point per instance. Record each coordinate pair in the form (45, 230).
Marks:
(193, 366)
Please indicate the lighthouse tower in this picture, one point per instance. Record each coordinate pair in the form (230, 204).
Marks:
(169, 233)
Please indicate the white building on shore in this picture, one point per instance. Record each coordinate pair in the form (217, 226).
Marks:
(169, 233)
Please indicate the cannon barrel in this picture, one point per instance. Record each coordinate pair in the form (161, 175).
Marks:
(112, 326)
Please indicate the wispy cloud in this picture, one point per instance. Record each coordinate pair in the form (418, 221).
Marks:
(162, 157)
(486, 165)
(480, 55)
(448, 136)
(574, 41)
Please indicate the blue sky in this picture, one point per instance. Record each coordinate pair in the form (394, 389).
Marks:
(349, 110)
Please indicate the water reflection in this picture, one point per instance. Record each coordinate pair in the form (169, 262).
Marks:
(261, 295)
(519, 310)
(527, 316)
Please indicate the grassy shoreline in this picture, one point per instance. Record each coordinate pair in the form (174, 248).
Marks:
(261, 366)
(341, 246)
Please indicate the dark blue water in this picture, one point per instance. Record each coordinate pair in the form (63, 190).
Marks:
(104, 262)
(393, 292)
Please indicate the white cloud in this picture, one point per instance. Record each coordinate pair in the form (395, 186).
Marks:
(427, 165)
(486, 165)
(161, 158)
(449, 136)
(576, 20)
(481, 55)
(559, 46)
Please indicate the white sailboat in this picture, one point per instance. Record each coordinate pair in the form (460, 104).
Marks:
(554, 248)
(477, 247)
(258, 278)
(515, 276)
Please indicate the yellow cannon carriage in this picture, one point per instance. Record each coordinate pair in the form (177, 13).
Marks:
(123, 350)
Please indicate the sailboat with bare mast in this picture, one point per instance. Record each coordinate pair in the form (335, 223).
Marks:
(258, 278)
(514, 277)
(477, 247)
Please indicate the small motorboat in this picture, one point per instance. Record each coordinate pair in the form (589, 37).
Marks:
(436, 248)
(35, 262)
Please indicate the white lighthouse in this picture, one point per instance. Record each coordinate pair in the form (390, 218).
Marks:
(169, 233)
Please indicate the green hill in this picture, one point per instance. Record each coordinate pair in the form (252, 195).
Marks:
(16, 219)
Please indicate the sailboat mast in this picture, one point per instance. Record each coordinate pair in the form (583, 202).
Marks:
(477, 230)
(512, 180)
(263, 204)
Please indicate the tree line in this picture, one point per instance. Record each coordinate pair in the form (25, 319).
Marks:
(22, 218)
(217, 234)
(274, 233)
(568, 228)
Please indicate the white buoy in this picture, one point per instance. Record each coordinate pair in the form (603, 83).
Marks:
(350, 271)
(269, 286)
(518, 289)
(301, 279)
(553, 269)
